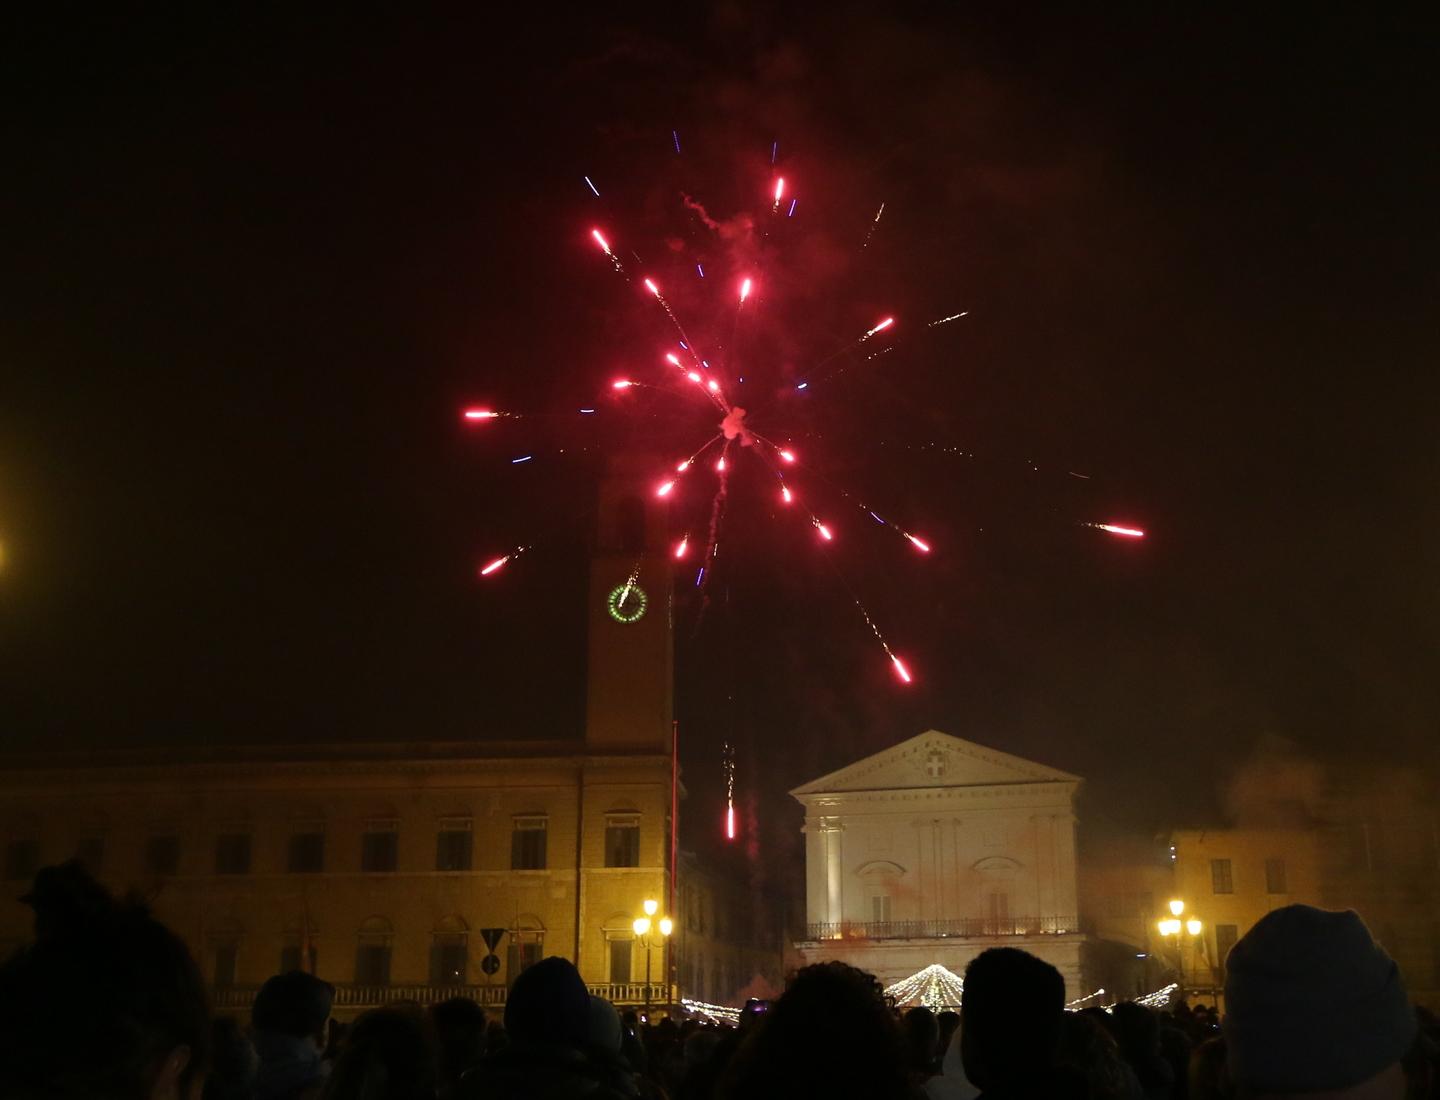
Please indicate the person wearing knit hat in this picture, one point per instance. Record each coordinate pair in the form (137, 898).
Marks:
(1315, 1005)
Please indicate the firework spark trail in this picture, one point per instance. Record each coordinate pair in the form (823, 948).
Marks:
(592, 187)
(676, 136)
(728, 767)
(813, 375)
(873, 224)
(1123, 532)
(779, 194)
(495, 565)
(605, 247)
(947, 320)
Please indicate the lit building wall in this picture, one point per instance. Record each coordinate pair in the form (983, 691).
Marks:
(380, 874)
(935, 849)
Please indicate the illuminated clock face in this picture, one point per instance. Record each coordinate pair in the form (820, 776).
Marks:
(626, 603)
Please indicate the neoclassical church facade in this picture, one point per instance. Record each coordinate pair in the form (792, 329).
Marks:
(935, 849)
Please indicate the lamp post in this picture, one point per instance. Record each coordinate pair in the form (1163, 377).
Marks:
(1171, 926)
(643, 926)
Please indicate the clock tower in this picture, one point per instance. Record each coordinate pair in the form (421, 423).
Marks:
(629, 698)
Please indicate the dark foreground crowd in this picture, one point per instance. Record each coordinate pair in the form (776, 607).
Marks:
(107, 1003)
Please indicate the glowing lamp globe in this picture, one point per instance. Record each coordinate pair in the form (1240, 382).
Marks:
(641, 925)
(1177, 907)
(666, 926)
(651, 907)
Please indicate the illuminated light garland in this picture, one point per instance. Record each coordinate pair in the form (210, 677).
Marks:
(1081, 1000)
(715, 1014)
(934, 988)
(1159, 999)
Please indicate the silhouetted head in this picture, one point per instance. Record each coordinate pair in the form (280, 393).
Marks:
(295, 1004)
(1314, 1004)
(922, 1039)
(387, 1055)
(459, 1025)
(1012, 1010)
(549, 1004)
(106, 1001)
(830, 1034)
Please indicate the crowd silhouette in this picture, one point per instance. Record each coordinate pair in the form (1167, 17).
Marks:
(106, 1002)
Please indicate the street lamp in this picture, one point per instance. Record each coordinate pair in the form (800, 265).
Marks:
(642, 927)
(1171, 926)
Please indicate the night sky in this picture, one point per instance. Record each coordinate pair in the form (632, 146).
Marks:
(255, 269)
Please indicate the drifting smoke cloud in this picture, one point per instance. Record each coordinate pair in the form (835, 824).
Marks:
(733, 427)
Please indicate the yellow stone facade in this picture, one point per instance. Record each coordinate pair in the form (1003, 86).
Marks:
(258, 856)
(123, 813)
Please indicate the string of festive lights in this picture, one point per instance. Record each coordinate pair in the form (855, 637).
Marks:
(934, 987)
(715, 1014)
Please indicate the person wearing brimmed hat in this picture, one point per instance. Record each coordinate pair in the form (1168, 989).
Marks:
(1314, 1006)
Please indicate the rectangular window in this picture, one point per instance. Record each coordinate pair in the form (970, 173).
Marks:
(372, 964)
(1275, 876)
(622, 842)
(223, 975)
(291, 958)
(90, 851)
(621, 952)
(379, 848)
(1220, 881)
(1225, 937)
(449, 960)
(999, 904)
(307, 852)
(22, 859)
(527, 844)
(523, 953)
(880, 908)
(453, 847)
(162, 854)
(232, 854)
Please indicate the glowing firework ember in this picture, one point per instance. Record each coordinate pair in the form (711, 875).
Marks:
(900, 669)
(622, 384)
(481, 414)
(601, 241)
(788, 456)
(1124, 532)
(919, 544)
(881, 327)
(664, 489)
(652, 288)
(824, 531)
(745, 290)
(682, 547)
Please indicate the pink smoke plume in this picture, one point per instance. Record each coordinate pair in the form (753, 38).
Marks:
(733, 426)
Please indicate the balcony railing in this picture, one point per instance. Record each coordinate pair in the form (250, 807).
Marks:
(350, 995)
(959, 928)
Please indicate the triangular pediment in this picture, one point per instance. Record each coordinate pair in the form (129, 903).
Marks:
(934, 759)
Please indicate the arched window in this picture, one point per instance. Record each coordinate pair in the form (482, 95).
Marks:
(450, 952)
(526, 945)
(372, 951)
(297, 945)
